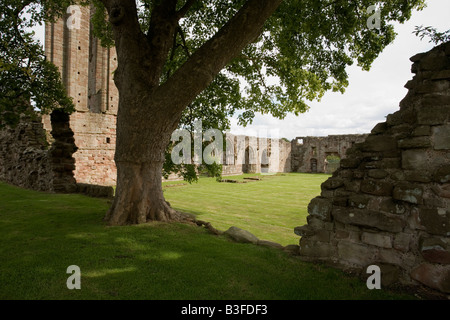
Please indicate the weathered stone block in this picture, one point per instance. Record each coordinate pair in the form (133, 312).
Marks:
(401, 117)
(402, 241)
(436, 115)
(416, 142)
(441, 75)
(353, 186)
(442, 174)
(269, 244)
(292, 249)
(441, 137)
(321, 236)
(417, 57)
(379, 128)
(378, 173)
(409, 193)
(350, 163)
(377, 239)
(422, 131)
(379, 143)
(240, 235)
(316, 249)
(333, 183)
(368, 218)
(390, 274)
(315, 223)
(433, 275)
(320, 208)
(390, 256)
(435, 250)
(304, 231)
(435, 220)
(415, 159)
(376, 187)
(355, 253)
(417, 176)
(340, 201)
(390, 206)
(434, 62)
(359, 201)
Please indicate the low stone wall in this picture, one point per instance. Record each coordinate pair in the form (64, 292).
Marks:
(389, 202)
(27, 160)
(96, 191)
(24, 159)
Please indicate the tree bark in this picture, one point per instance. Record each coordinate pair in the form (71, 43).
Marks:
(139, 197)
(149, 112)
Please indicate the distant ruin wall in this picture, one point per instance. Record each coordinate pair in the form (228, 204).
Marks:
(309, 154)
(389, 203)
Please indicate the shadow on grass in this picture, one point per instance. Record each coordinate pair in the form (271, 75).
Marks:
(43, 234)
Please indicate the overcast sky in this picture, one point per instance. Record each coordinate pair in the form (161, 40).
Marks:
(369, 97)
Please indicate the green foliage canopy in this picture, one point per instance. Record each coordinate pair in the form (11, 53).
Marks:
(302, 52)
(28, 81)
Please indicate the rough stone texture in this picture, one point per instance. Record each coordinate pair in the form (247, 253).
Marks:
(308, 154)
(87, 73)
(245, 154)
(240, 235)
(389, 202)
(29, 161)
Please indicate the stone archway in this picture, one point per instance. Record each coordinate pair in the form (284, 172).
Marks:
(250, 161)
(264, 161)
(313, 165)
(331, 163)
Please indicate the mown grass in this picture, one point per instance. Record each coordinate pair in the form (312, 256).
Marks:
(270, 208)
(42, 234)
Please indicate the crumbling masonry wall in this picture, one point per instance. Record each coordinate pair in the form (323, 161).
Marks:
(309, 154)
(27, 160)
(389, 202)
(87, 73)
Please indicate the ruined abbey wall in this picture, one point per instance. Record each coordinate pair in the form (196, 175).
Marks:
(27, 160)
(309, 154)
(389, 203)
(87, 73)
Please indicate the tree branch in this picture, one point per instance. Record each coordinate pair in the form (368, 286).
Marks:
(182, 12)
(201, 68)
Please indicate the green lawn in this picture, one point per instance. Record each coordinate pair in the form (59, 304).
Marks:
(270, 208)
(42, 234)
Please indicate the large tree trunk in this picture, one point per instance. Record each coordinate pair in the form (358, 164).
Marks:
(142, 138)
(149, 111)
(139, 197)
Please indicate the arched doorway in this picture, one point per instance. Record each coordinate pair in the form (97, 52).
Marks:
(264, 162)
(332, 163)
(313, 163)
(250, 161)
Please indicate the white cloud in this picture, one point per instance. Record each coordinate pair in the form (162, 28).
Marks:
(371, 95)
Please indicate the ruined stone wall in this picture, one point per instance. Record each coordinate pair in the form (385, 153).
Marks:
(389, 203)
(309, 153)
(27, 160)
(87, 72)
(24, 158)
(245, 154)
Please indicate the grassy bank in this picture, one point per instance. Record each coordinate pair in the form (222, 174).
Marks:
(270, 208)
(42, 234)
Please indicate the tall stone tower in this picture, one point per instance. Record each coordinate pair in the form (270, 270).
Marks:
(87, 73)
